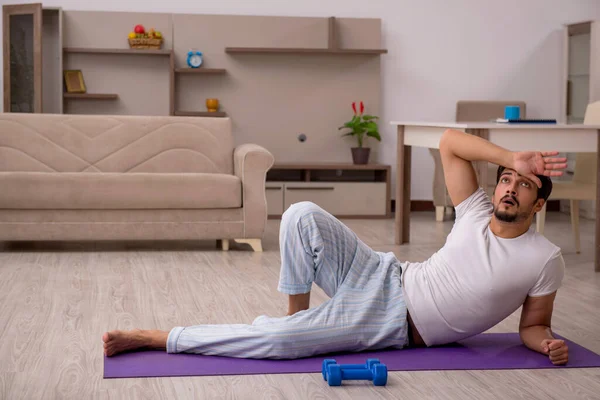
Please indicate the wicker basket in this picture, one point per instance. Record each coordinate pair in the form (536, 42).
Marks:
(145, 43)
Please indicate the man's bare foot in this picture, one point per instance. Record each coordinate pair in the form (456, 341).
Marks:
(119, 341)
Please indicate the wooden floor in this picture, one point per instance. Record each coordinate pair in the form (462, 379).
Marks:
(57, 299)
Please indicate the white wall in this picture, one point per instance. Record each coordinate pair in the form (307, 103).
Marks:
(439, 52)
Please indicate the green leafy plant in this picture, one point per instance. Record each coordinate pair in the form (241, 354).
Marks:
(361, 125)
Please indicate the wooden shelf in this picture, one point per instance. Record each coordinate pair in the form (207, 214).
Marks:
(83, 50)
(193, 71)
(300, 50)
(216, 114)
(91, 96)
(332, 46)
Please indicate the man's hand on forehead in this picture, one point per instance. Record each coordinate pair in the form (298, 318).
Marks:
(532, 163)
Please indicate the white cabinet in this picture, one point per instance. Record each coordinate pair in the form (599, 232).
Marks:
(344, 190)
(581, 86)
(274, 194)
(581, 74)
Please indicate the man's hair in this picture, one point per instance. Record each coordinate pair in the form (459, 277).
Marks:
(542, 193)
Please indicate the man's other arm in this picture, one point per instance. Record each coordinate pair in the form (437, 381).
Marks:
(458, 150)
(535, 330)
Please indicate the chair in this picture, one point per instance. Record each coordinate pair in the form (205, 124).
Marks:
(581, 187)
(467, 111)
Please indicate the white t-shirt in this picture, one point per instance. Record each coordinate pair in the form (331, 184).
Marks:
(478, 279)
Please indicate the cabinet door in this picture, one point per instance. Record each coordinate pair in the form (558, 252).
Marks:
(594, 62)
(274, 198)
(343, 199)
(578, 70)
(22, 55)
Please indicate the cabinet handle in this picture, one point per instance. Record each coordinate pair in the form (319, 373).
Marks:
(273, 188)
(311, 188)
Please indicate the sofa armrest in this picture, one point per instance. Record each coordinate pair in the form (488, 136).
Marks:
(251, 163)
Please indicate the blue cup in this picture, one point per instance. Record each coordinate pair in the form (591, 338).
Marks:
(512, 112)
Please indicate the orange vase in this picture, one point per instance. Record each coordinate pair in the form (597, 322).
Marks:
(212, 105)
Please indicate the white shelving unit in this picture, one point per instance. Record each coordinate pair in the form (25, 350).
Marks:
(581, 77)
(581, 80)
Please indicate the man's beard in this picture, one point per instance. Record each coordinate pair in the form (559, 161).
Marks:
(512, 217)
(505, 216)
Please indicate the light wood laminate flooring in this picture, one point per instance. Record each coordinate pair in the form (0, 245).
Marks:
(56, 300)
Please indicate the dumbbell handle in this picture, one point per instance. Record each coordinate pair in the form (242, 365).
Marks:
(356, 373)
(353, 366)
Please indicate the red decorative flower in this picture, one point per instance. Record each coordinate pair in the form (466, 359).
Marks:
(362, 108)
(354, 107)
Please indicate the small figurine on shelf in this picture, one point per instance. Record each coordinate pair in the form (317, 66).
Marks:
(212, 105)
(194, 59)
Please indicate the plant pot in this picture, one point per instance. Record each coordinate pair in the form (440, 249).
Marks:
(360, 155)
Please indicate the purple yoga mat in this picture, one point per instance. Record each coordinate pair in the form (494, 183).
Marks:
(485, 351)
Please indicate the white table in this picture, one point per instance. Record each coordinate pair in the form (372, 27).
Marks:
(516, 137)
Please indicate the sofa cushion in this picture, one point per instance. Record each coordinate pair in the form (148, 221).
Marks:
(80, 190)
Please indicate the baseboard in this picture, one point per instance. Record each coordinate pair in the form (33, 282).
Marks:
(427, 205)
(421, 205)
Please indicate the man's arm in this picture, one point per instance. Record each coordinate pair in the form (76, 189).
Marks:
(457, 150)
(535, 330)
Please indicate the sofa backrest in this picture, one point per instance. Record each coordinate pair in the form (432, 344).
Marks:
(114, 143)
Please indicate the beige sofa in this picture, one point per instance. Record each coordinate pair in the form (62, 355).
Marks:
(90, 177)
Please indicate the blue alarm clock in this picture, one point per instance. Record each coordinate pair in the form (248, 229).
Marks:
(194, 59)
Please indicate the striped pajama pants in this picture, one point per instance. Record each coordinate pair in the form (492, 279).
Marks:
(366, 309)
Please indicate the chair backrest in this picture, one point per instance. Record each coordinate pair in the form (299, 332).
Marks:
(485, 110)
(592, 114)
(585, 163)
(115, 143)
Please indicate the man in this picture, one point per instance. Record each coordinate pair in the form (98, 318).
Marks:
(491, 264)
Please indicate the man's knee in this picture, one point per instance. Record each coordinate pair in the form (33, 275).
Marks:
(298, 210)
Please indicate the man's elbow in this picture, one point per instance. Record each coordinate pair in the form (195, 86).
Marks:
(446, 140)
(443, 144)
(522, 330)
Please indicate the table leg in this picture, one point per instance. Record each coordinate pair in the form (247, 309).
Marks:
(403, 160)
(597, 253)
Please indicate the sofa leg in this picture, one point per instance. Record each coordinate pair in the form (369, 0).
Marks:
(256, 244)
(225, 244)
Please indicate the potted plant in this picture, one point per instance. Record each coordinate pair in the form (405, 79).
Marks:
(361, 125)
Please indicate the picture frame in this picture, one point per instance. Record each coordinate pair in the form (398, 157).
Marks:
(74, 82)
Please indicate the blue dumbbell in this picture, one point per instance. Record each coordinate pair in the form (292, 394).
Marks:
(372, 370)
